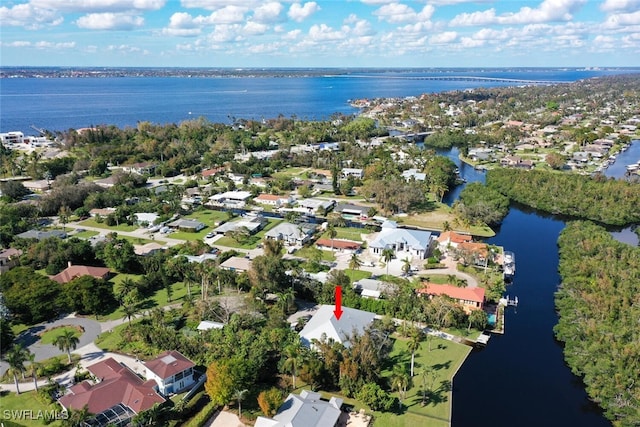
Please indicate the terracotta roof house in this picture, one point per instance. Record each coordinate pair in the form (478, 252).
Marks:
(210, 172)
(304, 410)
(452, 239)
(9, 258)
(117, 395)
(172, 371)
(324, 323)
(469, 298)
(342, 245)
(73, 271)
(273, 199)
(476, 253)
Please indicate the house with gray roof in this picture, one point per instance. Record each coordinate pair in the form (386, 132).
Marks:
(304, 410)
(291, 234)
(187, 225)
(325, 324)
(414, 174)
(41, 235)
(351, 209)
(404, 242)
(372, 288)
(253, 224)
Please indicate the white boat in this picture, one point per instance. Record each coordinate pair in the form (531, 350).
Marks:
(509, 264)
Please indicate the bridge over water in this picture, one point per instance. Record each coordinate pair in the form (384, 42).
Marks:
(468, 78)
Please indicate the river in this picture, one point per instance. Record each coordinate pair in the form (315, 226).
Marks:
(520, 378)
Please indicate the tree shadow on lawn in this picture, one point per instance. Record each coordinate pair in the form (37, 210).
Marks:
(30, 336)
(433, 397)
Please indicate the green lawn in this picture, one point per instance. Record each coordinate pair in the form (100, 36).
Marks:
(444, 359)
(50, 336)
(348, 233)
(85, 234)
(16, 407)
(139, 240)
(307, 251)
(356, 275)
(122, 227)
(289, 172)
(252, 242)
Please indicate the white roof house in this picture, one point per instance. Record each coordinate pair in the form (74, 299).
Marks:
(312, 205)
(371, 288)
(253, 223)
(304, 410)
(413, 173)
(403, 241)
(292, 234)
(206, 325)
(324, 323)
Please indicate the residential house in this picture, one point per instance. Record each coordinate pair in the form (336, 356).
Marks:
(207, 325)
(410, 174)
(305, 410)
(143, 168)
(199, 258)
(107, 182)
(235, 199)
(211, 172)
(480, 154)
(352, 172)
(516, 162)
(361, 212)
(74, 271)
(115, 396)
(236, 263)
(253, 224)
(187, 225)
(102, 212)
(348, 246)
(41, 235)
(172, 372)
(469, 298)
(291, 234)
(325, 324)
(312, 206)
(451, 239)
(273, 200)
(148, 249)
(9, 258)
(474, 253)
(148, 218)
(404, 242)
(371, 288)
(38, 186)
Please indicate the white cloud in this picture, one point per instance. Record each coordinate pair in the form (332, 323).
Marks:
(268, 13)
(225, 33)
(547, 11)
(255, 28)
(323, 32)
(454, 2)
(110, 21)
(444, 38)
(28, 16)
(621, 20)
(227, 15)
(292, 35)
(620, 5)
(300, 13)
(40, 44)
(181, 24)
(218, 4)
(125, 48)
(98, 5)
(468, 42)
(397, 13)
(601, 42)
(17, 43)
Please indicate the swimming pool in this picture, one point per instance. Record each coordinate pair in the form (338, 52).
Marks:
(492, 319)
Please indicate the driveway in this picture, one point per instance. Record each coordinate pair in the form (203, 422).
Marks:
(30, 338)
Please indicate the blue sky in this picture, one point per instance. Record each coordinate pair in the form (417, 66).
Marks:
(336, 33)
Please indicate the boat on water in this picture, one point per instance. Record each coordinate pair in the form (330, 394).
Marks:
(509, 265)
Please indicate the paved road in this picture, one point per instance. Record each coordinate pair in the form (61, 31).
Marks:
(141, 233)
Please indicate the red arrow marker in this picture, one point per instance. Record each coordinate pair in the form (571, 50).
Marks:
(338, 310)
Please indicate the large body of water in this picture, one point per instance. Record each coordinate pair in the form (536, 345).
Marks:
(58, 104)
(520, 379)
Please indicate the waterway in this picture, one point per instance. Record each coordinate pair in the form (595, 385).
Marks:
(520, 378)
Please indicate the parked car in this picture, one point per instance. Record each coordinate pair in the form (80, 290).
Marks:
(210, 234)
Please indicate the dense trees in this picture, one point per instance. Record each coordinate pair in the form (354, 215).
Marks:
(599, 311)
(481, 204)
(604, 200)
(30, 297)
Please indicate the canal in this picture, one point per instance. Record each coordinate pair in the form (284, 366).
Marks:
(520, 378)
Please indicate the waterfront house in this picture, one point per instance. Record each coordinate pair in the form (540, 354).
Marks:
(305, 410)
(414, 174)
(325, 324)
(312, 205)
(451, 239)
(469, 298)
(404, 242)
(74, 271)
(9, 258)
(115, 396)
(475, 253)
(251, 222)
(361, 212)
(231, 199)
(172, 372)
(291, 234)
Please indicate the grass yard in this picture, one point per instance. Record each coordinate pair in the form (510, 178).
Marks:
(252, 242)
(15, 409)
(348, 233)
(122, 227)
(85, 234)
(290, 172)
(443, 360)
(356, 275)
(51, 335)
(307, 252)
(139, 240)
(433, 221)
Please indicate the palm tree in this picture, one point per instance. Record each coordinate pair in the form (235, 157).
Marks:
(406, 266)
(414, 345)
(77, 417)
(331, 230)
(15, 357)
(67, 341)
(130, 310)
(240, 395)
(35, 368)
(64, 213)
(400, 381)
(124, 288)
(355, 263)
(446, 226)
(387, 256)
(293, 359)
(273, 247)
